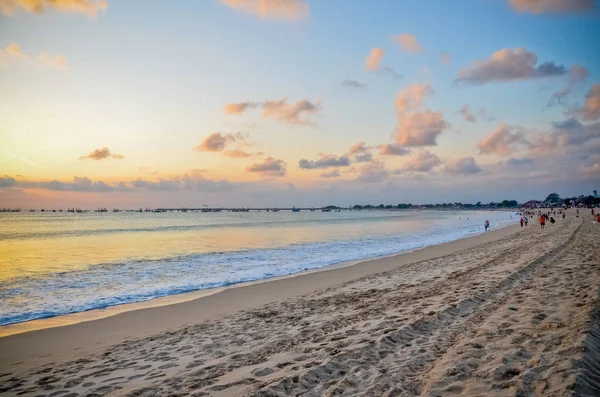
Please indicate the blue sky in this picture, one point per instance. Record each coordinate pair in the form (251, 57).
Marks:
(150, 82)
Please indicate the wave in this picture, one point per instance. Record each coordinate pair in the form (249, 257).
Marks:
(109, 284)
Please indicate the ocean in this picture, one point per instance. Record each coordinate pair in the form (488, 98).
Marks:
(53, 264)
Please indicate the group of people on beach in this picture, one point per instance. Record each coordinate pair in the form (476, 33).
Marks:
(545, 217)
(549, 216)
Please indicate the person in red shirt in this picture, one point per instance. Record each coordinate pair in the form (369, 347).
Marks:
(542, 221)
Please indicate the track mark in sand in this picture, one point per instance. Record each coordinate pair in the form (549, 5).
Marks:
(587, 382)
(440, 330)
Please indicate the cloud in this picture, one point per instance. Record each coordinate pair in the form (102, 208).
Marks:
(373, 63)
(191, 180)
(445, 57)
(329, 174)
(421, 161)
(363, 158)
(465, 165)
(79, 184)
(372, 173)
(87, 7)
(237, 153)
(7, 181)
(517, 162)
(361, 152)
(217, 141)
(11, 51)
(411, 96)
(269, 167)
(390, 72)
(101, 154)
(14, 52)
(502, 141)
(467, 114)
(509, 64)
(569, 133)
(292, 113)
(239, 108)
(416, 126)
(420, 128)
(374, 59)
(408, 42)
(591, 109)
(577, 74)
(591, 170)
(392, 149)
(552, 6)
(271, 9)
(360, 147)
(353, 84)
(325, 161)
(57, 61)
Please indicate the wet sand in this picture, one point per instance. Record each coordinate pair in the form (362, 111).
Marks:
(509, 313)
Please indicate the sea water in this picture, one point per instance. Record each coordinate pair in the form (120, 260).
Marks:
(53, 264)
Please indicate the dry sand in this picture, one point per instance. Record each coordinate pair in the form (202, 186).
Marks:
(512, 313)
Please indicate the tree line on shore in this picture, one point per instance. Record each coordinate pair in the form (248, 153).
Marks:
(553, 199)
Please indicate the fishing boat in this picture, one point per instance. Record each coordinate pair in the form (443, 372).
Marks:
(294, 209)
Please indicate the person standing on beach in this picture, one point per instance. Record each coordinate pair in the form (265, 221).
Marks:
(526, 220)
(522, 221)
(487, 225)
(542, 221)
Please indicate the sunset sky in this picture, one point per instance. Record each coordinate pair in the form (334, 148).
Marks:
(296, 102)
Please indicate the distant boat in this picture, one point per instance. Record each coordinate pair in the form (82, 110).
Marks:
(294, 209)
(325, 210)
(275, 210)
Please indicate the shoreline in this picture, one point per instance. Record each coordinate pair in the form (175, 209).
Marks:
(174, 299)
(84, 337)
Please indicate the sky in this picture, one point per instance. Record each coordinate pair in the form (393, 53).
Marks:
(126, 104)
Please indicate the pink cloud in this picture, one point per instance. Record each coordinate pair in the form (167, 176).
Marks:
(238, 108)
(408, 42)
(374, 59)
(101, 154)
(467, 114)
(421, 161)
(57, 61)
(217, 141)
(417, 126)
(292, 113)
(509, 64)
(270, 167)
(591, 109)
(502, 141)
(552, 6)
(87, 7)
(392, 149)
(465, 165)
(271, 9)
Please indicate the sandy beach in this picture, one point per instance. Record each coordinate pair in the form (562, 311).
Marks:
(512, 312)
